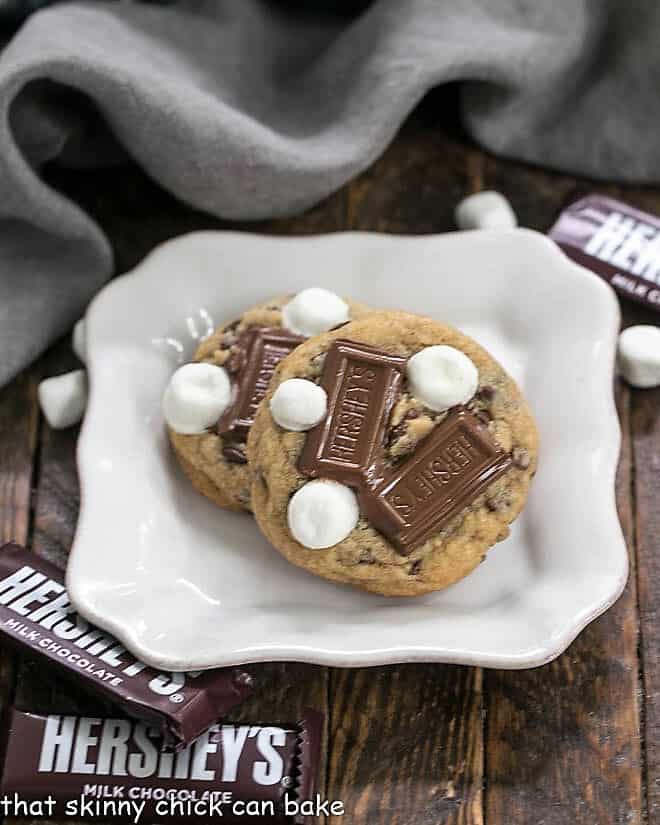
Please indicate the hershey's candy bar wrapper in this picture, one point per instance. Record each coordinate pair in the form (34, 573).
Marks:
(617, 242)
(37, 617)
(115, 769)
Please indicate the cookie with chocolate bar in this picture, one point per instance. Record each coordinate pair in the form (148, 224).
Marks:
(210, 403)
(390, 454)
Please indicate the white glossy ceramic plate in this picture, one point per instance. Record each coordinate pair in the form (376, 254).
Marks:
(185, 585)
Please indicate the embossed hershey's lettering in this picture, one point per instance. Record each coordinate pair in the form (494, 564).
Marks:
(449, 470)
(353, 404)
(440, 469)
(271, 355)
(362, 384)
(262, 350)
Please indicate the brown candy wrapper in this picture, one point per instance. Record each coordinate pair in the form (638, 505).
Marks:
(116, 769)
(617, 242)
(37, 617)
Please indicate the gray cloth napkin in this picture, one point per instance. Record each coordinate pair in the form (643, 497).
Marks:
(251, 109)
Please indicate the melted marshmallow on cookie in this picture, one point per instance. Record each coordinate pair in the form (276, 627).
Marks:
(298, 404)
(442, 377)
(313, 311)
(322, 513)
(195, 398)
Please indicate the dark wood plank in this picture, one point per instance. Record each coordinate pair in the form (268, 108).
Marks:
(57, 497)
(406, 745)
(538, 195)
(562, 741)
(415, 185)
(282, 691)
(645, 425)
(646, 429)
(406, 742)
(54, 520)
(18, 439)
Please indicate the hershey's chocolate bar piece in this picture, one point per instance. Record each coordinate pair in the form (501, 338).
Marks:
(37, 617)
(362, 384)
(447, 471)
(260, 350)
(104, 769)
(617, 242)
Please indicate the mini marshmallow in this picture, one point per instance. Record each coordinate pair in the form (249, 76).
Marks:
(485, 210)
(639, 355)
(313, 311)
(322, 513)
(63, 399)
(196, 397)
(298, 404)
(79, 340)
(442, 377)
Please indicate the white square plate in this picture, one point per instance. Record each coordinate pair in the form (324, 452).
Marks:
(186, 585)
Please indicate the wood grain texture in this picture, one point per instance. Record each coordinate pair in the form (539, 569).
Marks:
(55, 511)
(18, 439)
(406, 745)
(562, 741)
(646, 444)
(645, 429)
(282, 691)
(56, 498)
(413, 187)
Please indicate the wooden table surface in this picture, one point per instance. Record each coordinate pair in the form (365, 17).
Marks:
(575, 742)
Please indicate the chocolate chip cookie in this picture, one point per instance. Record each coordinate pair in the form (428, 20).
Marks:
(390, 454)
(209, 404)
